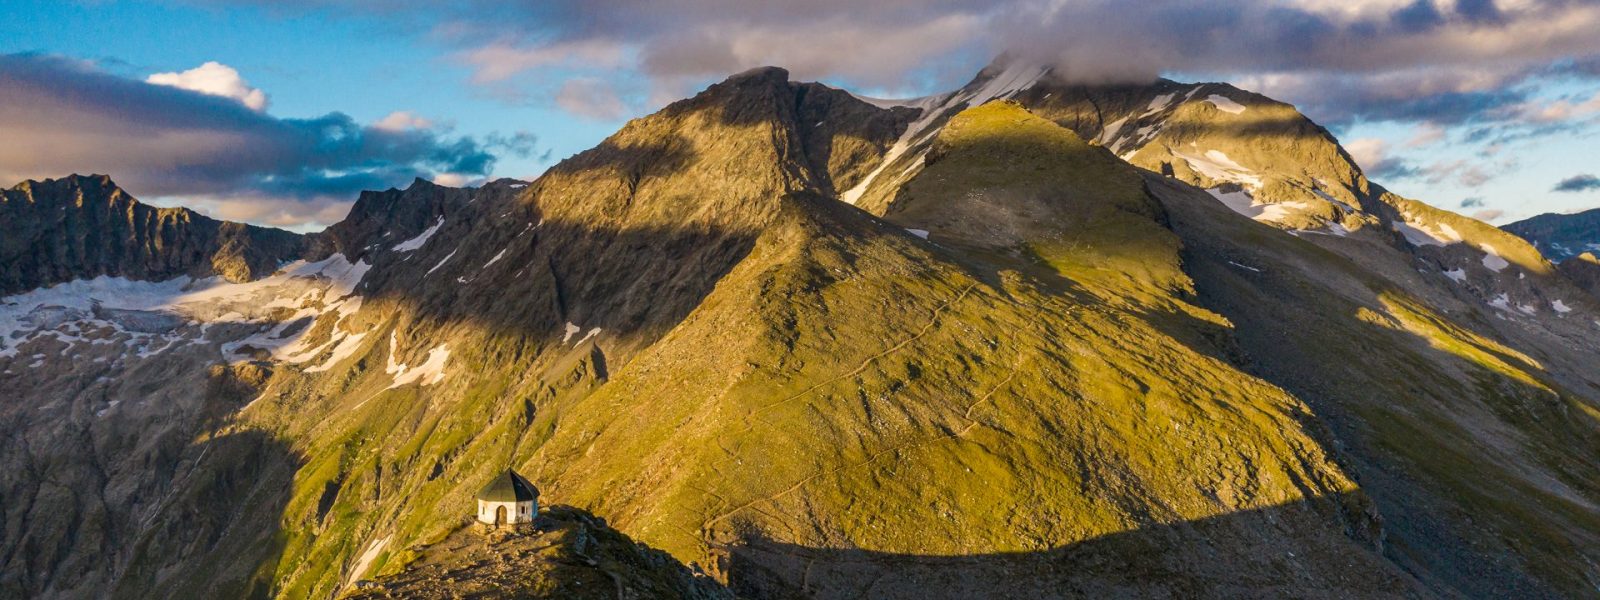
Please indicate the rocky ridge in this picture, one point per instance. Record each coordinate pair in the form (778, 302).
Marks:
(82, 227)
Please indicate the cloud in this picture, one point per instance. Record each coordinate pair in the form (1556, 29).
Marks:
(1343, 61)
(502, 60)
(62, 116)
(1447, 62)
(299, 214)
(1473, 202)
(592, 98)
(216, 79)
(520, 144)
(1460, 172)
(1426, 134)
(1578, 183)
(1488, 214)
(1372, 155)
(401, 120)
(1547, 112)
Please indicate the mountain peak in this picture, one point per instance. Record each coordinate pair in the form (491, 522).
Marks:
(766, 74)
(85, 226)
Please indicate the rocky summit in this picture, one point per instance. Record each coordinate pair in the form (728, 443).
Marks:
(1027, 338)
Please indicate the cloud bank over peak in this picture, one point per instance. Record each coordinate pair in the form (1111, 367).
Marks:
(202, 136)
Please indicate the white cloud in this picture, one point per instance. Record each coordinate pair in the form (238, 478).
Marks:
(401, 120)
(500, 61)
(215, 79)
(458, 179)
(296, 214)
(1557, 111)
(1426, 134)
(1368, 152)
(592, 98)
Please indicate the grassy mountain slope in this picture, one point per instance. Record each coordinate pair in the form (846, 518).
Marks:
(886, 396)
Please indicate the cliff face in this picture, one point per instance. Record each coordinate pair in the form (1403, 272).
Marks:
(82, 227)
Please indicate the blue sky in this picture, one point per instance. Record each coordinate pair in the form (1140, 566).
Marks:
(1476, 106)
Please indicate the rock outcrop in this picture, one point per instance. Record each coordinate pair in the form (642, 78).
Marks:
(567, 553)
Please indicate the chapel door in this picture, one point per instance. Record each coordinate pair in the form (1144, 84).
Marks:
(500, 515)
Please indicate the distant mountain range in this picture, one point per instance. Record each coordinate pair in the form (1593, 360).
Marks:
(1026, 338)
(1561, 236)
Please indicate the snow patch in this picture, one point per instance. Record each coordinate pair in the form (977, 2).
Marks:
(496, 258)
(1241, 202)
(417, 242)
(442, 262)
(431, 371)
(347, 345)
(1223, 103)
(1560, 307)
(1159, 103)
(1423, 234)
(1457, 275)
(150, 317)
(367, 557)
(592, 333)
(1111, 132)
(1015, 78)
(1492, 259)
(921, 233)
(1219, 167)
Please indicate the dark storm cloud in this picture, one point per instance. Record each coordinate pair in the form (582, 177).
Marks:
(1578, 183)
(62, 116)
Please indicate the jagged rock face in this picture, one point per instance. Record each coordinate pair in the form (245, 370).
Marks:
(1018, 365)
(1561, 237)
(83, 227)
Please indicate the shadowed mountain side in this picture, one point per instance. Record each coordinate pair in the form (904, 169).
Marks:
(1237, 555)
(218, 532)
(82, 227)
(111, 452)
(1473, 453)
(1584, 271)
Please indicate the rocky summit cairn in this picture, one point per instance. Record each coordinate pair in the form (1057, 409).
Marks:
(508, 500)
